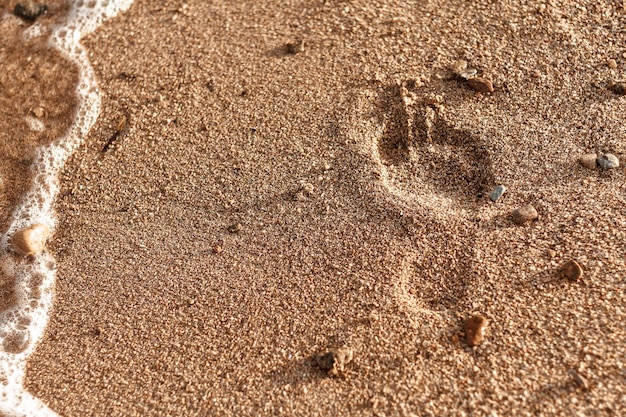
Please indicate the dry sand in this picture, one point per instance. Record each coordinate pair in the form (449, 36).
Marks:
(358, 170)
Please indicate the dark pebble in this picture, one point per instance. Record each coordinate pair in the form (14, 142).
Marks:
(29, 10)
(334, 360)
(295, 47)
(619, 88)
(571, 271)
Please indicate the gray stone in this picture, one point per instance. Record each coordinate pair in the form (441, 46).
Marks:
(497, 193)
(608, 161)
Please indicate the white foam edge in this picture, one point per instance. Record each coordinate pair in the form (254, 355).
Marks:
(36, 30)
(34, 278)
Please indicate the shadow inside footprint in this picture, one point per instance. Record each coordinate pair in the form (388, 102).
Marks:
(423, 154)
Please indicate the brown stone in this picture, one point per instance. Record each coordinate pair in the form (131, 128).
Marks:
(235, 228)
(551, 253)
(38, 112)
(30, 240)
(524, 214)
(589, 160)
(571, 271)
(474, 329)
(482, 85)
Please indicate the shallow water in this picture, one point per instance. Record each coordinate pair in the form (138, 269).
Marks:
(51, 97)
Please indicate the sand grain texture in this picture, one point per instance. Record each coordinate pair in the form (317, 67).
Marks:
(359, 170)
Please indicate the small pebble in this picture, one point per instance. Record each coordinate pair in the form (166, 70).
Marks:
(589, 160)
(38, 112)
(608, 161)
(497, 193)
(618, 88)
(474, 329)
(571, 271)
(611, 63)
(31, 240)
(524, 214)
(482, 85)
(295, 47)
(334, 360)
(551, 253)
(217, 249)
(29, 10)
(461, 72)
(235, 228)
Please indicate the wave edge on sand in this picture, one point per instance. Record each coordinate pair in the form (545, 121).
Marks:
(22, 325)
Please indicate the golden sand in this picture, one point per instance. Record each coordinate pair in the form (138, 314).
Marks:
(358, 167)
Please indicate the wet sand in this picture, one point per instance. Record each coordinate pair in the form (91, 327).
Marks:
(358, 170)
(38, 103)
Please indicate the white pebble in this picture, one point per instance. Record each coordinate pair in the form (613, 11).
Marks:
(30, 240)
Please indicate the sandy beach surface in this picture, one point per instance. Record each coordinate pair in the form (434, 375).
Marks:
(268, 180)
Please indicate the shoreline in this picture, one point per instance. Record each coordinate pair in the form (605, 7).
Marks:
(27, 268)
(358, 170)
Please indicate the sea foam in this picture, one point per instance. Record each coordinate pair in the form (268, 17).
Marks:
(22, 325)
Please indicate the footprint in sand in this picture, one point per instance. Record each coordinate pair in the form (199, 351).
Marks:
(423, 158)
(434, 173)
